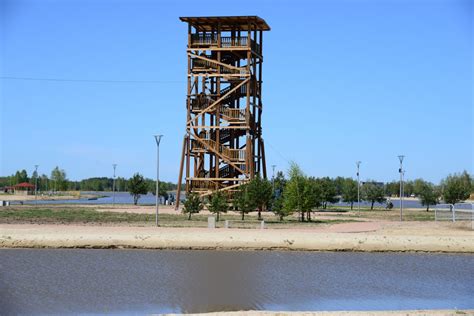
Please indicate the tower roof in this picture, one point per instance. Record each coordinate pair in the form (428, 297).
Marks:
(227, 23)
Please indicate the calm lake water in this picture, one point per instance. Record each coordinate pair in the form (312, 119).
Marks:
(126, 198)
(39, 281)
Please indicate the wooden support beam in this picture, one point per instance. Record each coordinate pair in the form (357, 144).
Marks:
(181, 166)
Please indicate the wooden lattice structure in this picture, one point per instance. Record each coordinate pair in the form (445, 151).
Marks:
(223, 146)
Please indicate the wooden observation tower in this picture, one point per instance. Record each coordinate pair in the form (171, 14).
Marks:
(223, 146)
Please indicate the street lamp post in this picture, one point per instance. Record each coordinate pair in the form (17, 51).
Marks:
(113, 186)
(401, 171)
(157, 139)
(36, 184)
(358, 187)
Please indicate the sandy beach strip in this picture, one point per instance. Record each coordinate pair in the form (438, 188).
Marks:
(76, 236)
(19, 197)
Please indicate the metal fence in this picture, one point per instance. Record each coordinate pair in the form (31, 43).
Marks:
(455, 212)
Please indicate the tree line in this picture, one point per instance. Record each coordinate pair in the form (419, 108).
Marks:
(58, 181)
(283, 195)
(302, 194)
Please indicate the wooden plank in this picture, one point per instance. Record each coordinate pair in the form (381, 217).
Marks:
(216, 62)
(180, 178)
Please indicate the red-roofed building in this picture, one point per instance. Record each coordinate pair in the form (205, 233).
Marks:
(24, 188)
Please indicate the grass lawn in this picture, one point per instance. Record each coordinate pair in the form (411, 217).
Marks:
(381, 213)
(78, 215)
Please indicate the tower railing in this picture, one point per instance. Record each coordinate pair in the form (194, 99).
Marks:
(199, 40)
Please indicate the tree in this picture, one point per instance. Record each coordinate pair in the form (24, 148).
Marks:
(218, 204)
(329, 191)
(137, 186)
(121, 184)
(456, 188)
(278, 209)
(294, 190)
(426, 192)
(301, 193)
(392, 188)
(193, 204)
(34, 177)
(373, 193)
(20, 176)
(163, 188)
(408, 188)
(58, 176)
(349, 191)
(260, 193)
(339, 183)
(312, 196)
(279, 184)
(43, 183)
(243, 202)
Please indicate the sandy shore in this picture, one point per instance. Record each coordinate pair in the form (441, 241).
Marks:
(372, 237)
(17, 197)
(346, 313)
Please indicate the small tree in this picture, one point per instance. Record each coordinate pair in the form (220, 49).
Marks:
(137, 186)
(279, 183)
(294, 190)
(242, 201)
(218, 204)
(278, 209)
(193, 204)
(456, 188)
(426, 192)
(329, 191)
(260, 193)
(59, 178)
(373, 193)
(349, 191)
(312, 196)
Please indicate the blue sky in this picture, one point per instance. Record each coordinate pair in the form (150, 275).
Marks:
(343, 81)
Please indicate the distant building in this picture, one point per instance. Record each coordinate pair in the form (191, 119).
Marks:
(7, 189)
(379, 184)
(24, 188)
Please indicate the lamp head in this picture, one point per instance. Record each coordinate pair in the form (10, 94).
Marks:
(158, 139)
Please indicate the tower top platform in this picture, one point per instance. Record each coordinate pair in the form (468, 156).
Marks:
(227, 23)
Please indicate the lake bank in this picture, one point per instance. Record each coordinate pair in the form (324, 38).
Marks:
(430, 312)
(46, 197)
(363, 237)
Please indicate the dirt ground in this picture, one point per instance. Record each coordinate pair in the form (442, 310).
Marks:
(358, 236)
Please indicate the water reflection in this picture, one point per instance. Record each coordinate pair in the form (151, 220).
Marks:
(139, 281)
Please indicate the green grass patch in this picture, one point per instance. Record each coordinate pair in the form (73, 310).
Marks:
(77, 215)
(68, 215)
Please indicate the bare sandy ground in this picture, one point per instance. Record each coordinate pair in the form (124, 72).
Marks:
(346, 313)
(357, 236)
